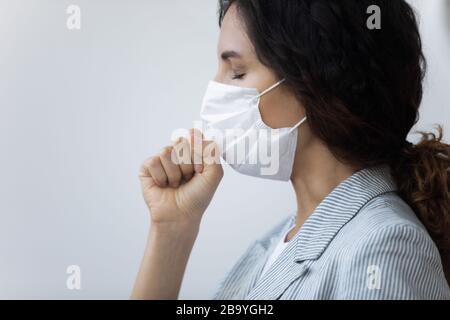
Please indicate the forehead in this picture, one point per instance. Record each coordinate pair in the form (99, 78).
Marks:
(233, 36)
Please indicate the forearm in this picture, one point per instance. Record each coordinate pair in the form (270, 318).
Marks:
(164, 262)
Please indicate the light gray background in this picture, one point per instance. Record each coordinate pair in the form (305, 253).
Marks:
(80, 110)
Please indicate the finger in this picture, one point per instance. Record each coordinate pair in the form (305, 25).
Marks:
(211, 159)
(172, 169)
(153, 168)
(196, 141)
(144, 175)
(211, 153)
(182, 151)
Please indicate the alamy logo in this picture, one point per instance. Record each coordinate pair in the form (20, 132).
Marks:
(73, 281)
(374, 21)
(74, 18)
(237, 147)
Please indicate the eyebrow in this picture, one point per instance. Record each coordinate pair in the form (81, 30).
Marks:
(230, 54)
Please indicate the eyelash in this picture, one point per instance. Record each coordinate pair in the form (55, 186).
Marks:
(239, 76)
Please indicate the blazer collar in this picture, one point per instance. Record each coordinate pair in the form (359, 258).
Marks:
(335, 210)
(338, 208)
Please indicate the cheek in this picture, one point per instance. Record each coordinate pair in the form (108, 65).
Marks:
(261, 78)
(272, 112)
(280, 110)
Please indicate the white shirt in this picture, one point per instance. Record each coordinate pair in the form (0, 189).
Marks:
(282, 244)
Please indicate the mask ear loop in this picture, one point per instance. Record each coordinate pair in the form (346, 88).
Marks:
(269, 89)
(298, 124)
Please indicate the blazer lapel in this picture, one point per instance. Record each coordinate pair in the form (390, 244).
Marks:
(243, 276)
(279, 276)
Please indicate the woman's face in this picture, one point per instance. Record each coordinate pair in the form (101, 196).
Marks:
(239, 66)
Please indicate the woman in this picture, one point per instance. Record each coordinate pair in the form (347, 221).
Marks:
(373, 210)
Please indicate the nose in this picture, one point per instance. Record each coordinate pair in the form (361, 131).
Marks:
(220, 73)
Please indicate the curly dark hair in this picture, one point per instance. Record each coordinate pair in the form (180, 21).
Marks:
(361, 90)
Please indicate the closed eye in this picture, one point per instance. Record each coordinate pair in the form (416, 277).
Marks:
(239, 76)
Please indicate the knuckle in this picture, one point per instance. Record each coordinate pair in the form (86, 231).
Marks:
(153, 162)
(166, 151)
(185, 145)
(144, 165)
(182, 141)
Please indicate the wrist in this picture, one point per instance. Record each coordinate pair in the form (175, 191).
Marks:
(181, 230)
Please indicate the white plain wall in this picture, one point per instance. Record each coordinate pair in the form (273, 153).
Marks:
(80, 110)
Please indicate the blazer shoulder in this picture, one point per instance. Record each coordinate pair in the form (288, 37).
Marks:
(388, 221)
(387, 236)
(388, 210)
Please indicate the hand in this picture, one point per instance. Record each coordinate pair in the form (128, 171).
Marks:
(179, 183)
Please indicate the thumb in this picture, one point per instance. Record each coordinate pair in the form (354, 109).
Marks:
(211, 160)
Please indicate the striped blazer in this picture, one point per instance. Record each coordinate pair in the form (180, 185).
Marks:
(362, 242)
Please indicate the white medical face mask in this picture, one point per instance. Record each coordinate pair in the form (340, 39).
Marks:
(247, 144)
